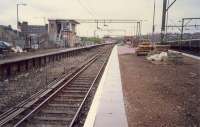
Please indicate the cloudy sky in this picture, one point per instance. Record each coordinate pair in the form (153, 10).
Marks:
(37, 10)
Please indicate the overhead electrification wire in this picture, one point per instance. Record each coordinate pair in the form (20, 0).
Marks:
(89, 11)
(92, 9)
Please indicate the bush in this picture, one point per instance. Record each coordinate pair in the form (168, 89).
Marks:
(91, 39)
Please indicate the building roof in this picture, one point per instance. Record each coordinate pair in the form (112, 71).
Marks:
(65, 20)
(6, 27)
(33, 29)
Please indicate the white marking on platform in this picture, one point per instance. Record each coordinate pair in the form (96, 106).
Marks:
(107, 109)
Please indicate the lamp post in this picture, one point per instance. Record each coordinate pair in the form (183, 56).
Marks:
(18, 4)
(153, 28)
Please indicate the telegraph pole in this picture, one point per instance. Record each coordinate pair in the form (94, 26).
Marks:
(17, 15)
(18, 4)
(154, 13)
(164, 13)
(182, 28)
(163, 20)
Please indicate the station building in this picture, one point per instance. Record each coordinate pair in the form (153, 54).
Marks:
(63, 32)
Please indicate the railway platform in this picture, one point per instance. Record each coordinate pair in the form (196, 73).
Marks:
(24, 62)
(107, 109)
(137, 93)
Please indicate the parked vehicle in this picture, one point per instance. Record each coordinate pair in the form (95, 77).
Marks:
(5, 46)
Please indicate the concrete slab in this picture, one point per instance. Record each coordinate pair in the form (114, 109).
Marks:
(107, 109)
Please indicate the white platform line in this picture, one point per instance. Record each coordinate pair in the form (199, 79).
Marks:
(107, 109)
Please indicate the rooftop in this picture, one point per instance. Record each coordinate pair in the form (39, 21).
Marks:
(65, 20)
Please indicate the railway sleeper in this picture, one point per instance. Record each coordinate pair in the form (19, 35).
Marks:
(48, 122)
(84, 80)
(64, 105)
(61, 108)
(76, 88)
(80, 86)
(68, 100)
(71, 96)
(58, 111)
(54, 114)
(74, 92)
(81, 83)
(85, 77)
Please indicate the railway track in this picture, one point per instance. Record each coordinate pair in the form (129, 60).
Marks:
(61, 105)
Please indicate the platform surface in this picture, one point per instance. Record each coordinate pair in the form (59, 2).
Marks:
(160, 95)
(108, 109)
(154, 95)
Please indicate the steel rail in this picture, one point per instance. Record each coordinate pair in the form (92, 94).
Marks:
(16, 110)
(54, 93)
(86, 96)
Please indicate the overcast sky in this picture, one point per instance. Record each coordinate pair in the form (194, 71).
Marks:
(93, 9)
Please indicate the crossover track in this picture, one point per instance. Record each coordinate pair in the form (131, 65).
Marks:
(60, 105)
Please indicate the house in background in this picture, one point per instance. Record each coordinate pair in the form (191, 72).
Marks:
(27, 29)
(62, 32)
(35, 36)
(8, 34)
